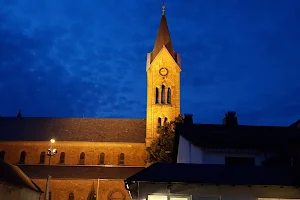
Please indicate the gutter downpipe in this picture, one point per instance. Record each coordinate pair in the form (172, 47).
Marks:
(97, 188)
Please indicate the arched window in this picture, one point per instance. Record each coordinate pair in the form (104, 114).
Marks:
(62, 158)
(42, 157)
(71, 196)
(117, 196)
(101, 158)
(169, 96)
(121, 159)
(156, 95)
(165, 121)
(2, 155)
(81, 159)
(49, 195)
(22, 157)
(159, 121)
(163, 88)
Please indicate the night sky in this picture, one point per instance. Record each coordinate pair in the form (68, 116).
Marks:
(75, 58)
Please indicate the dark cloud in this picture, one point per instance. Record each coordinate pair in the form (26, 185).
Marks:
(76, 58)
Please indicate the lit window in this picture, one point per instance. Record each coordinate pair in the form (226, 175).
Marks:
(168, 197)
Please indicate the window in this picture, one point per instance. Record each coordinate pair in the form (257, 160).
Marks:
(62, 158)
(169, 96)
(101, 159)
(42, 158)
(117, 196)
(2, 155)
(156, 95)
(239, 161)
(71, 196)
(168, 197)
(165, 121)
(163, 94)
(159, 121)
(81, 159)
(121, 159)
(22, 157)
(49, 195)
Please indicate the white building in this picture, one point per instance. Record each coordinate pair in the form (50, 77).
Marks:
(226, 161)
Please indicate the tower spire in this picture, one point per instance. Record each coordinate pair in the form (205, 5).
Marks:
(163, 37)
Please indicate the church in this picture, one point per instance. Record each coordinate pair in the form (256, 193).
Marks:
(99, 152)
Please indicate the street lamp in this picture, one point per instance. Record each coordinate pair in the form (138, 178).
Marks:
(51, 152)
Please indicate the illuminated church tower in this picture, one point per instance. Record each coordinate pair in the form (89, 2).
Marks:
(163, 82)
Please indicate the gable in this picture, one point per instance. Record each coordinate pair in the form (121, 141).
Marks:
(164, 58)
(73, 129)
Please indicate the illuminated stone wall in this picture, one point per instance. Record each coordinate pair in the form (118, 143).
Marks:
(156, 80)
(135, 153)
(60, 189)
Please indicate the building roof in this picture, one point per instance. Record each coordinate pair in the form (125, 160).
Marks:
(14, 175)
(163, 38)
(80, 172)
(72, 129)
(217, 174)
(240, 136)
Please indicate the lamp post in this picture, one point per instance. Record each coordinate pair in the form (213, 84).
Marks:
(51, 152)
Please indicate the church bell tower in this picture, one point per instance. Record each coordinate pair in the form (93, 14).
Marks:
(163, 82)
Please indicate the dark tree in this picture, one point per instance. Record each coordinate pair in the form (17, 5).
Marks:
(161, 148)
(92, 193)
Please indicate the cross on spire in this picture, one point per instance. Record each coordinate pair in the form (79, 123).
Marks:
(163, 9)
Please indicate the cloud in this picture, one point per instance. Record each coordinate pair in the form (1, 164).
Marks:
(75, 58)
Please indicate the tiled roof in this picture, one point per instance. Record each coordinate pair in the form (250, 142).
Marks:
(80, 172)
(14, 175)
(73, 129)
(240, 136)
(217, 174)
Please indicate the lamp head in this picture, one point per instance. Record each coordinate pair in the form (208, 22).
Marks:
(52, 140)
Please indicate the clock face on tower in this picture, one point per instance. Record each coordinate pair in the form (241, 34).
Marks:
(163, 71)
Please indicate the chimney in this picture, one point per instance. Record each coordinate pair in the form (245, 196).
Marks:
(230, 119)
(188, 118)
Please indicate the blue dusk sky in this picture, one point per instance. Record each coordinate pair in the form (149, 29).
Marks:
(75, 58)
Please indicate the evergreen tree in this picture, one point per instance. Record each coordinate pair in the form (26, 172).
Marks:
(92, 193)
(161, 148)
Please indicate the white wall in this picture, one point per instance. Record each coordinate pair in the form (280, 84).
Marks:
(188, 153)
(17, 193)
(221, 192)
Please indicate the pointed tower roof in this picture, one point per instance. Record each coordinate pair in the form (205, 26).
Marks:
(163, 38)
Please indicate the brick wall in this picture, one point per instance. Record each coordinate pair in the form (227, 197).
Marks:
(135, 153)
(60, 189)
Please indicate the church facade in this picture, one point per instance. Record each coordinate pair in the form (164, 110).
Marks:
(96, 152)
